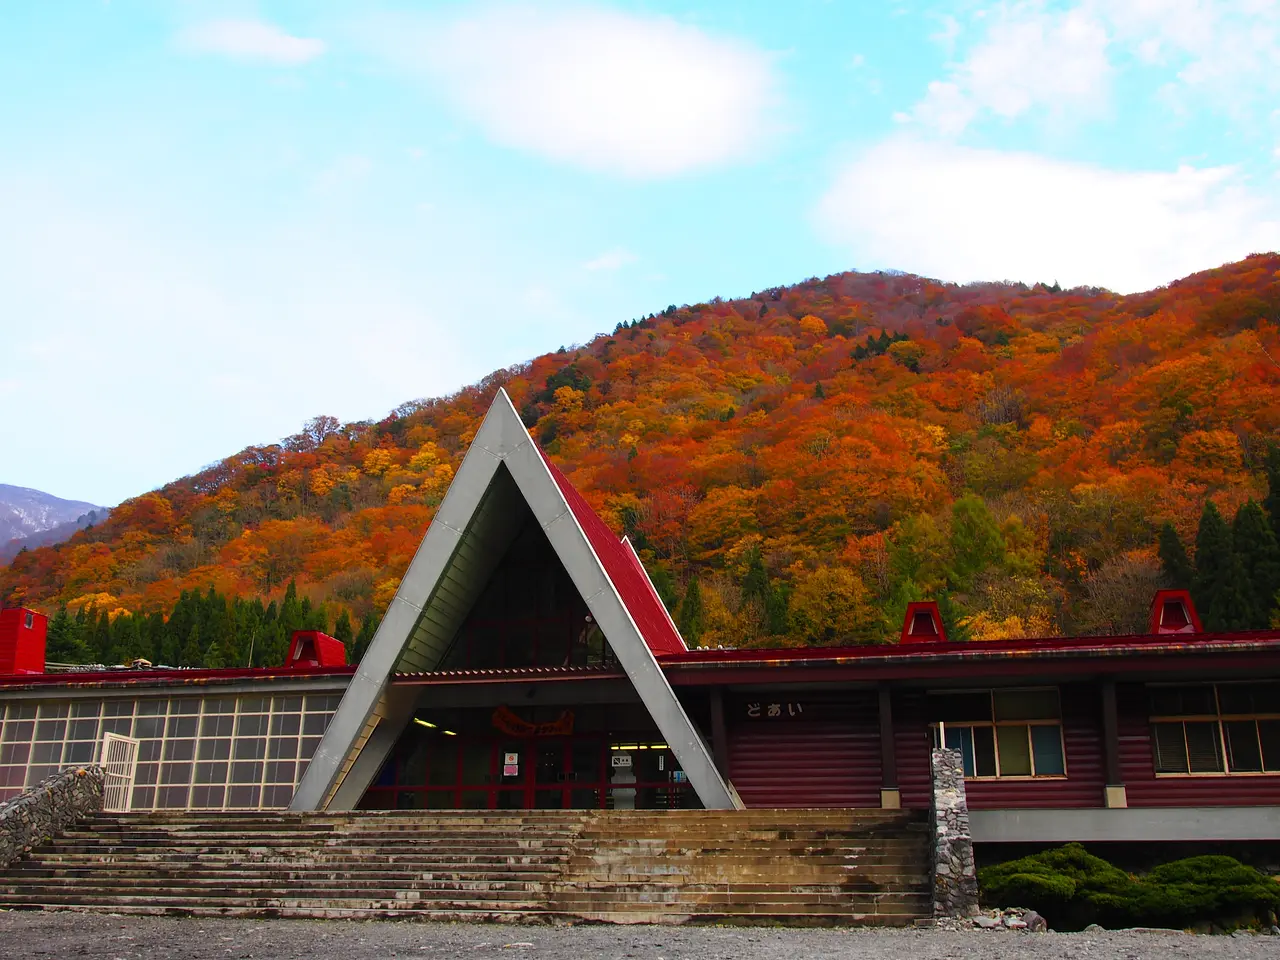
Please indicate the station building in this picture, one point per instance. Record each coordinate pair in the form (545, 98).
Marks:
(527, 662)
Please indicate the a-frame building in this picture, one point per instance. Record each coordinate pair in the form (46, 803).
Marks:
(517, 578)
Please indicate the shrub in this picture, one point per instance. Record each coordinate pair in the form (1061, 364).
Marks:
(1069, 886)
(1218, 889)
(1072, 888)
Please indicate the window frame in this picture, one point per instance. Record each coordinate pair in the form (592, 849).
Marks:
(1219, 719)
(939, 731)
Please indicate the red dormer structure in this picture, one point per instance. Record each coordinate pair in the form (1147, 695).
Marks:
(22, 638)
(923, 624)
(1172, 611)
(311, 648)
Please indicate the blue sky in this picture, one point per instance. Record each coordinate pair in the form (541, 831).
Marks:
(220, 219)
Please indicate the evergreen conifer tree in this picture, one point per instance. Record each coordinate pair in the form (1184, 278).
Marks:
(64, 642)
(1255, 542)
(691, 613)
(1173, 558)
(191, 654)
(368, 627)
(665, 585)
(1219, 583)
(342, 629)
(100, 639)
(214, 657)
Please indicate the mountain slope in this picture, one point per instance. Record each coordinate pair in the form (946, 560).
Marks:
(26, 513)
(802, 462)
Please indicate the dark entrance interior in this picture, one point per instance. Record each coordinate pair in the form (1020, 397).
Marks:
(437, 766)
(489, 748)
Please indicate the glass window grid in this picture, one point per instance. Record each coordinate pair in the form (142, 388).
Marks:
(994, 725)
(267, 742)
(1219, 719)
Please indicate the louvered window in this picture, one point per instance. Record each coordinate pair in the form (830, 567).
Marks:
(1224, 728)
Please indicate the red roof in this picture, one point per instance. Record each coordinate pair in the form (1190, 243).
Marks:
(979, 650)
(175, 677)
(623, 568)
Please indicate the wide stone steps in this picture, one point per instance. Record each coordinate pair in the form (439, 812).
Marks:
(757, 866)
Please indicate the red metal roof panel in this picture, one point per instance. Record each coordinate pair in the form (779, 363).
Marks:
(631, 582)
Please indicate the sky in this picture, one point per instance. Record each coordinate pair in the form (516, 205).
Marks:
(220, 219)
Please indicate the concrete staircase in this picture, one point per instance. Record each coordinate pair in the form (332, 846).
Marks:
(792, 866)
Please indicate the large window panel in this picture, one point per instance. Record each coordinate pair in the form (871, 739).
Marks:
(1046, 749)
(1015, 751)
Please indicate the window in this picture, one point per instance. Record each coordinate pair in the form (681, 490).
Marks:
(214, 753)
(29, 621)
(1221, 728)
(1002, 733)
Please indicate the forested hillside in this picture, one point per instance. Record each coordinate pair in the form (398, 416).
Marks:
(794, 467)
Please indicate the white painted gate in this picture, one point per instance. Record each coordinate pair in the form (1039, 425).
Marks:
(119, 761)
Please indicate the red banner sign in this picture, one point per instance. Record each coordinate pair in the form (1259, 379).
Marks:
(510, 723)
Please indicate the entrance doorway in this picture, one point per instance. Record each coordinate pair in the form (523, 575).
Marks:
(436, 769)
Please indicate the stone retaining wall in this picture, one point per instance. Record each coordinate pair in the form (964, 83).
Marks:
(955, 876)
(47, 809)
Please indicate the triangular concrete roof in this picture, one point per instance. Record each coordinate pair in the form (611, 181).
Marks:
(462, 547)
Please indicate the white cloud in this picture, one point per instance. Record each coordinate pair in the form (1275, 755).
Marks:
(250, 40)
(965, 214)
(1224, 50)
(1030, 55)
(641, 96)
(1028, 58)
(610, 260)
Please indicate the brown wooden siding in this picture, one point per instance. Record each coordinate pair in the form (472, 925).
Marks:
(914, 742)
(1145, 789)
(830, 758)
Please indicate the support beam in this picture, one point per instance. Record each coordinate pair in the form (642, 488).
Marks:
(890, 797)
(1114, 794)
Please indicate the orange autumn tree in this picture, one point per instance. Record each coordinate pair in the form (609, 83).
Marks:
(814, 456)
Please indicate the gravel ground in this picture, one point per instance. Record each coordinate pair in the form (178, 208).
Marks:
(31, 934)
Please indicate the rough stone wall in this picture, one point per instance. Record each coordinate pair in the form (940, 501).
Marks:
(48, 808)
(955, 877)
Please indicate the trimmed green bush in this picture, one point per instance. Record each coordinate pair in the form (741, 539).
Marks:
(1072, 888)
(1068, 886)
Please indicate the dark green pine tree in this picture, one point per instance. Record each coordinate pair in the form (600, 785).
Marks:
(342, 629)
(368, 627)
(691, 613)
(756, 585)
(954, 619)
(1173, 558)
(65, 640)
(215, 658)
(192, 653)
(1255, 543)
(100, 646)
(665, 586)
(1219, 585)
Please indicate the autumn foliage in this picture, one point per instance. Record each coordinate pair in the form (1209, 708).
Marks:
(810, 460)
